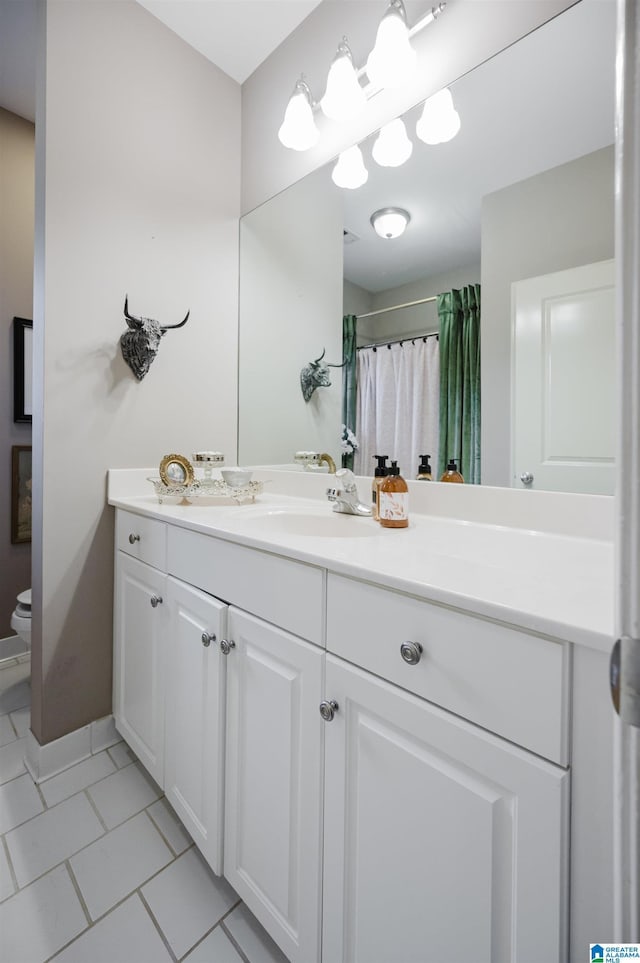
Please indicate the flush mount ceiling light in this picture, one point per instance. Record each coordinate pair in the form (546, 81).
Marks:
(439, 121)
(390, 64)
(390, 222)
(344, 96)
(298, 130)
(350, 171)
(393, 60)
(392, 147)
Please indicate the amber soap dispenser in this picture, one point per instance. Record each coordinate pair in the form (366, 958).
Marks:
(394, 499)
(424, 469)
(378, 477)
(452, 474)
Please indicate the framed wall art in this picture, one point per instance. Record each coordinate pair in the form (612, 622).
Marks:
(20, 494)
(22, 370)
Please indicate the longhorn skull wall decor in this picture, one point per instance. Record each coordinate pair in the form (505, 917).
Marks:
(141, 341)
(315, 374)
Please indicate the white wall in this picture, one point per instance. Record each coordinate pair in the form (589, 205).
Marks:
(560, 219)
(16, 300)
(138, 192)
(290, 310)
(466, 34)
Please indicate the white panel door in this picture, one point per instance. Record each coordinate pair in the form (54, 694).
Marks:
(273, 781)
(564, 380)
(442, 842)
(139, 661)
(195, 715)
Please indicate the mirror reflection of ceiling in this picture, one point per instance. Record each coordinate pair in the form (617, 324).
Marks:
(527, 110)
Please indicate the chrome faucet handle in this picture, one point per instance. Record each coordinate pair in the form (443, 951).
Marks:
(347, 478)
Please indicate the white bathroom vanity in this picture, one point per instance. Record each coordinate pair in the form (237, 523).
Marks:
(395, 745)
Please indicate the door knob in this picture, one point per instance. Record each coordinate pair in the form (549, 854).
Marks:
(411, 652)
(328, 710)
(207, 639)
(526, 478)
(155, 601)
(226, 646)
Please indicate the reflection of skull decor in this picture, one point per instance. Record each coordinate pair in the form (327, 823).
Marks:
(141, 342)
(316, 375)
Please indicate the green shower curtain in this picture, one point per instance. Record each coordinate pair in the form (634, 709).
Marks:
(459, 314)
(349, 386)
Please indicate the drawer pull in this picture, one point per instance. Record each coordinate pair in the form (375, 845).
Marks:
(411, 652)
(226, 646)
(207, 639)
(133, 538)
(155, 600)
(328, 710)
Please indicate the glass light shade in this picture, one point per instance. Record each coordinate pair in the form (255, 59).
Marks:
(390, 222)
(392, 147)
(392, 61)
(344, 96)
(440, 121)
(298, 130)
(350, 171)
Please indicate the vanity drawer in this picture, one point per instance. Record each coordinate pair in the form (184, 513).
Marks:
(289, 594)
(503, 679)
(144, 538)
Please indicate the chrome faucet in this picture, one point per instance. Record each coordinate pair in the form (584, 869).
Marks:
(345, 498)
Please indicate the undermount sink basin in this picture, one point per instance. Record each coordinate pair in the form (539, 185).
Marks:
(329, 525)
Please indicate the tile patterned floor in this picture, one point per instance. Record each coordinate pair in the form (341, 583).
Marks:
(96, 868)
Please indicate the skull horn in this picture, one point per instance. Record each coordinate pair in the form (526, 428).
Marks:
(136, 322)
(169, 327)
(318, 360)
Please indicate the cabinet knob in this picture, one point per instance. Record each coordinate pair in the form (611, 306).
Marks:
(226, 645)
(411, 652)
(207, 639)
(133, 538)
(155, 600)
(328, 710)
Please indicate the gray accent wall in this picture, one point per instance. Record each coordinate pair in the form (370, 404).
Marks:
(16, 300)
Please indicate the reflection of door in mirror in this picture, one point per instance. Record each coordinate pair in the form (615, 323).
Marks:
(564, 380)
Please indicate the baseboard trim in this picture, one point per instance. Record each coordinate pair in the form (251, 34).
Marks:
(45, 761)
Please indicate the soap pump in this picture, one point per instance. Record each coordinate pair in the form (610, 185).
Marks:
(424, 469)
(394, 499)
(378, 477)
(452, 474)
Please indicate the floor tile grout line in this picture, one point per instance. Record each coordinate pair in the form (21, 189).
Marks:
(224, 930)
(172, 848)
(79, 894)
(233, 940)
(155, 922)
(14, 878)
(94, 806)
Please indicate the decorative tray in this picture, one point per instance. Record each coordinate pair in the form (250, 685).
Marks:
(206, 488)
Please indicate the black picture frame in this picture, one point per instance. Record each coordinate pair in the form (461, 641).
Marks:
(22, 370)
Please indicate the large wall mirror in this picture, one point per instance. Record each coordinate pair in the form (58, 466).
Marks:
(522, 197)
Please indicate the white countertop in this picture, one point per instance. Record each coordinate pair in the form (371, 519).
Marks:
(555, 584)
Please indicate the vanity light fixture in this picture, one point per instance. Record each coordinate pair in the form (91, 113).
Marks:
(298, 130)
(392, 147)
(390, 222)
(350, 171)
(392, 62)
(439, 121)
(344, 96)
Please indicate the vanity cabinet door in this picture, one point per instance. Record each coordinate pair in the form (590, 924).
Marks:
(442, 841)
(273, 781)
(195, 710)
(139, 660)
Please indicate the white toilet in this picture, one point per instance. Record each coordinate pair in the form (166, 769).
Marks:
(21, 618)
